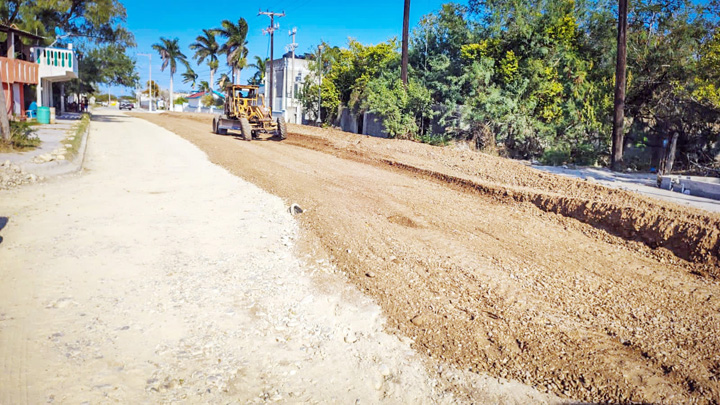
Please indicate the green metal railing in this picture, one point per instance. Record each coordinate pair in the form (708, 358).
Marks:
(54, 57)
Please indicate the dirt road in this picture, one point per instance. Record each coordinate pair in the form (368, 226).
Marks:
(586, 292)
(157, 277)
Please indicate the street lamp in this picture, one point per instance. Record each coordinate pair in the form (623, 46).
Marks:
(320, 48)
(149, 55)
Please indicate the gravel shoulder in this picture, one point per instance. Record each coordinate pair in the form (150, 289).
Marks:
(156, 276)
(576, 289)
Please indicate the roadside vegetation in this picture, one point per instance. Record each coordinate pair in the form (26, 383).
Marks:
(75, 136)
(535, 80)
(22, 138)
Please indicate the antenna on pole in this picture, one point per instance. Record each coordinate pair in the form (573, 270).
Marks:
(292, 47)
(270, 30)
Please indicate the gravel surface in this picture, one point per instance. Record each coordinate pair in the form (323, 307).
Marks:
(155, 277)
(576, 289)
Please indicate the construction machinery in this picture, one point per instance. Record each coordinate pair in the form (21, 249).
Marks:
(245, 111)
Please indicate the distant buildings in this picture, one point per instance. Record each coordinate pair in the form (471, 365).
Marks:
(195, 99)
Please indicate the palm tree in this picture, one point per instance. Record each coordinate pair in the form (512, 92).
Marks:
(234, 48)
(260, 64)
(190, 77)
(169, 51)
(207, 47)
(223, 81)
(204, 86)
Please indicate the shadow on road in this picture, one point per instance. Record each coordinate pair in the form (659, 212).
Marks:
(3, 222)
(107, 118)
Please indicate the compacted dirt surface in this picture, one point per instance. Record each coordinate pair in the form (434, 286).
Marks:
(157, 277)
(578, 290)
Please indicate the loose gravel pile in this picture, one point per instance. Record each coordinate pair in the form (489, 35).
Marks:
(12, 176)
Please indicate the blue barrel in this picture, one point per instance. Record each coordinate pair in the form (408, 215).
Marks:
(43, 115)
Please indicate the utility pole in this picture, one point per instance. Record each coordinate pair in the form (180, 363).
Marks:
(270, 30)
(292, 48)
(149, 55)
(618, 132)
(406, 27)
(320, 66)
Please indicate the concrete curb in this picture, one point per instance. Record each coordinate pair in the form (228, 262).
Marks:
(60, 168)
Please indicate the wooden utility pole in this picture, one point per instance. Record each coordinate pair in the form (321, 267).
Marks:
(406, 27)
(270, 30)
(618, 133)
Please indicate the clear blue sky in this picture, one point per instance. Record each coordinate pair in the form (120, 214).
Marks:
(368, 21)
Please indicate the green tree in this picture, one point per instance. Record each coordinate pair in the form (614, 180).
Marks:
(98, 21)
(207, 47)
(152, 85)
(402, 109)
(204, 86)
(224, 81)
(261, 66)
(190, 77)
(235, 46)
(170, 53)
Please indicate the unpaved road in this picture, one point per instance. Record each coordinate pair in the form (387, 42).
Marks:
(589, 293)
(157, 277)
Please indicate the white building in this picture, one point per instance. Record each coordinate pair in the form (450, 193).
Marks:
(56, 65)
(289, 76)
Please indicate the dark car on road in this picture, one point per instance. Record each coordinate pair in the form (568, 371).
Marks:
(126, 105)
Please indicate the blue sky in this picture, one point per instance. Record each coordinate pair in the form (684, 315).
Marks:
(368, 21)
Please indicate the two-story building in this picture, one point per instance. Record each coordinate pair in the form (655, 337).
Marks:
(17, 69)
(28, 70)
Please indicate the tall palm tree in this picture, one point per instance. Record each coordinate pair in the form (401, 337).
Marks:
(223, 81)
(260, 64)
(207, 47)
(190, 77)
(235, 46)
(170, 53)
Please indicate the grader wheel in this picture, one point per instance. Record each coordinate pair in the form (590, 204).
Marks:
(282, 128)
(246, 129)
(215, 124)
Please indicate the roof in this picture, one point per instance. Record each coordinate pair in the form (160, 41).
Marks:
(10, 28)
(202, 93)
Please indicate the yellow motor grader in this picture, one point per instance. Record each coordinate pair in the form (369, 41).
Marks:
(245, 111)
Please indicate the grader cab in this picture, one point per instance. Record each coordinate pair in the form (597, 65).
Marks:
(245, 110)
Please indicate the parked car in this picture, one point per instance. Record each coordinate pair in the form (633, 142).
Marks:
(126, 105)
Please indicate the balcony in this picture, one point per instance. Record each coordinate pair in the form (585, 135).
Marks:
(56, 64)
(18, 71)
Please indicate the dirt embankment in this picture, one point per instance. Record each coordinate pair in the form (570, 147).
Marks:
(691, 234)
(466, 255)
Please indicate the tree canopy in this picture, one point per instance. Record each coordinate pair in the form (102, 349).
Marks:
(535, 79)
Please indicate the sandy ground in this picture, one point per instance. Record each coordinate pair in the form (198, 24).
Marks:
(155, 276)
(583, 291)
